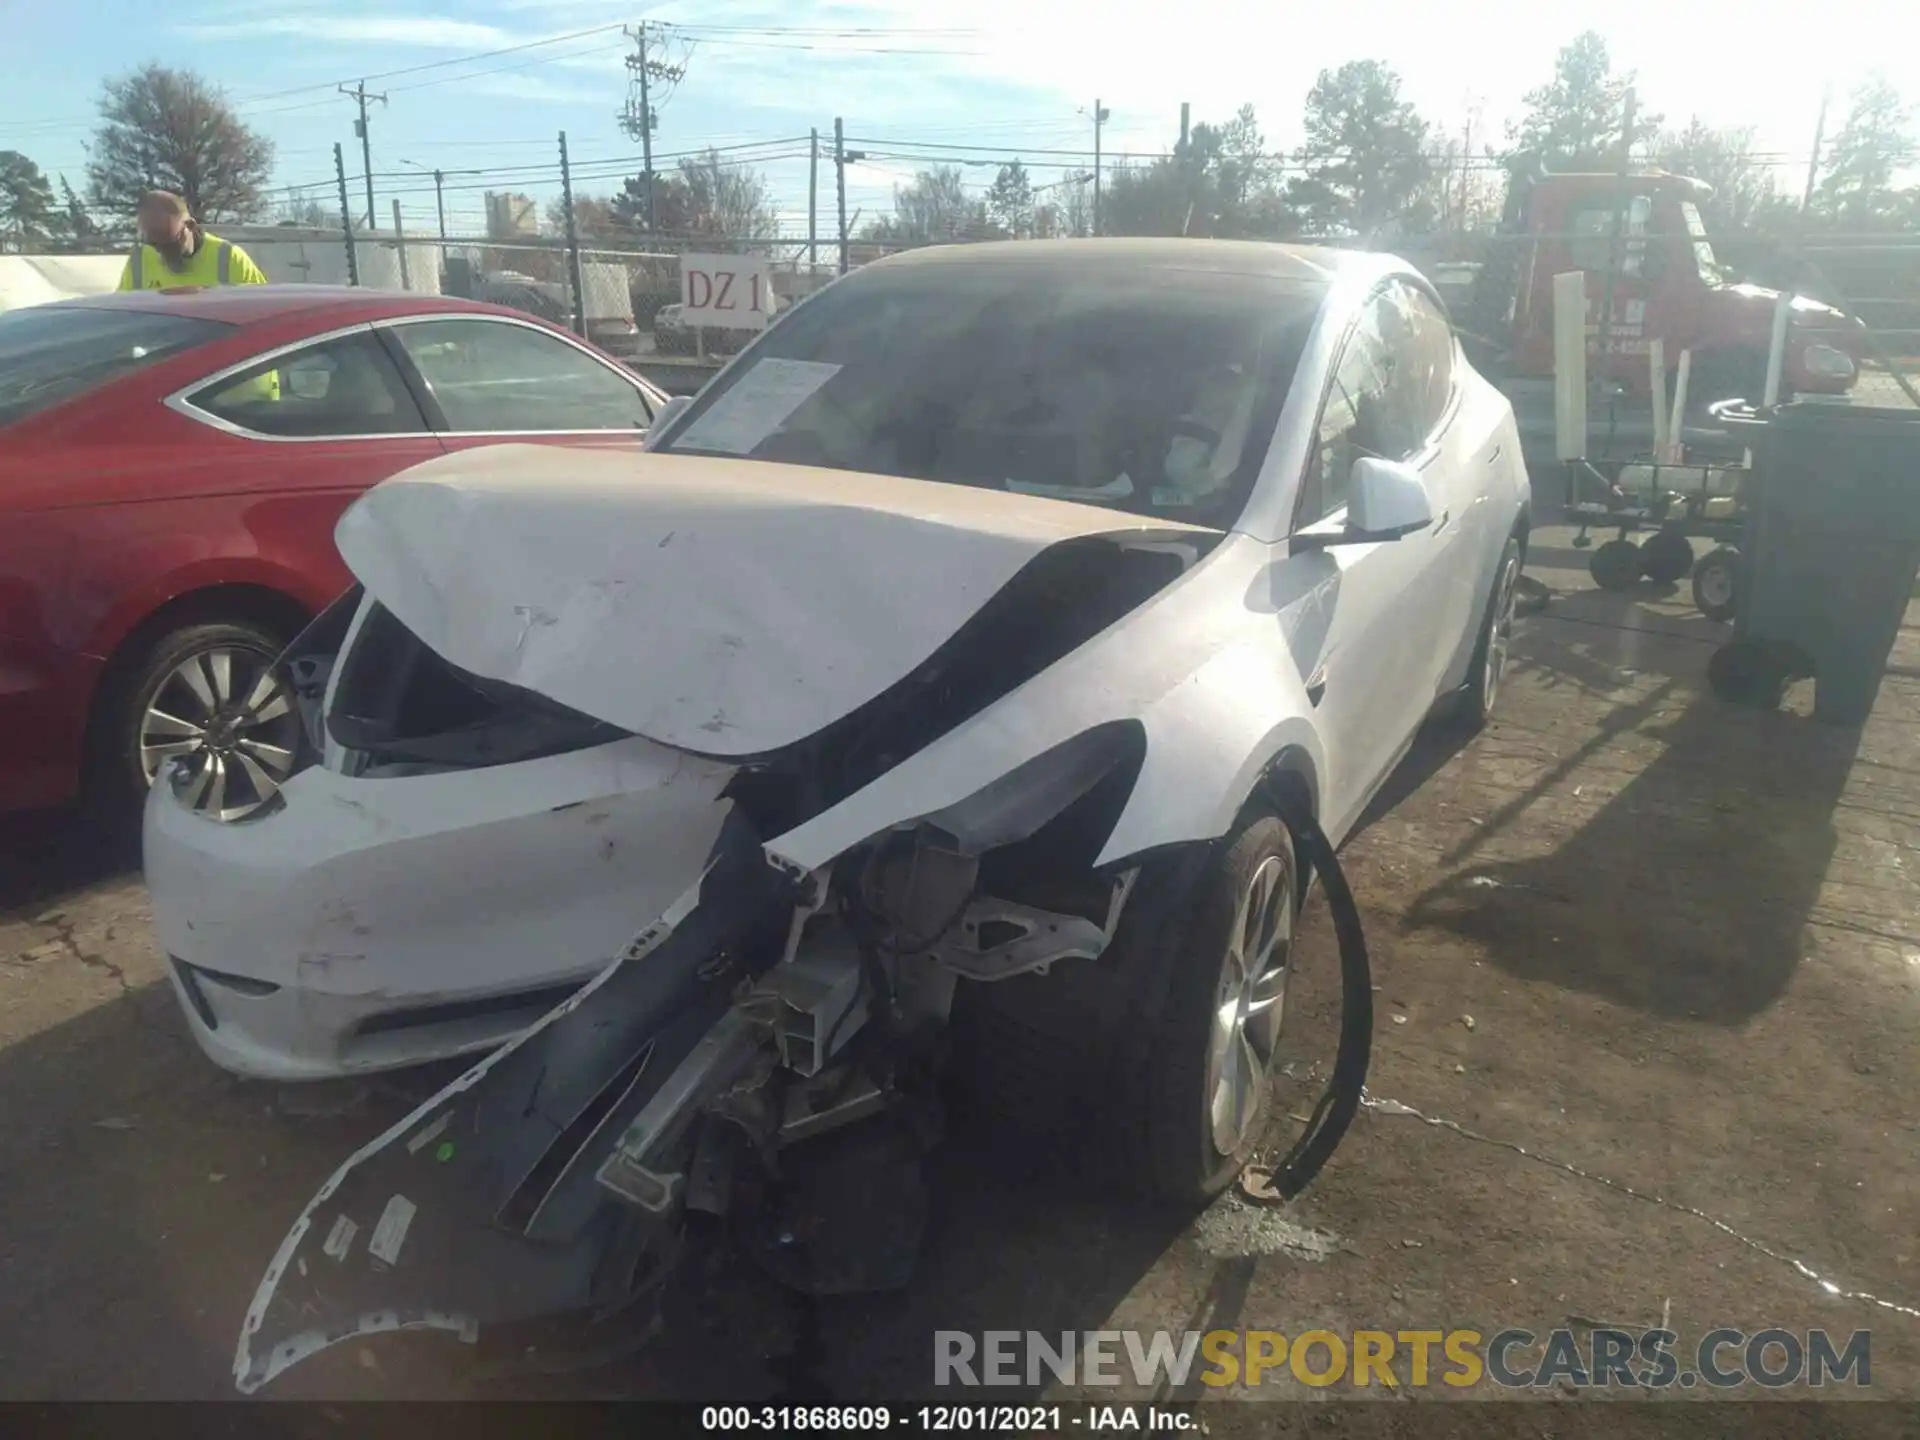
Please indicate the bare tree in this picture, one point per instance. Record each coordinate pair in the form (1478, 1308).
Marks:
(1874, 145)
(1076, 206)
(80, 227)
(594, 220)
(727, 200)
(163, 129)
(934, 208)
(1742, 186)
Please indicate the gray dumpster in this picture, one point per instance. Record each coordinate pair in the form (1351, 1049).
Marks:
(1829, 557)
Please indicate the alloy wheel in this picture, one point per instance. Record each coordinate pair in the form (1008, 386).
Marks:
(1249, 1007)
(222, 715)
(1499, 633)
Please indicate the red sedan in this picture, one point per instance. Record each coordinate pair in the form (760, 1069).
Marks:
(172, 464)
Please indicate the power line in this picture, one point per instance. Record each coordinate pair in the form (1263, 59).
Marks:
(245, 101)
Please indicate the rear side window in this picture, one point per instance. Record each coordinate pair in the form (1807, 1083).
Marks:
(340, 387)
(492, 377)
(52, 353)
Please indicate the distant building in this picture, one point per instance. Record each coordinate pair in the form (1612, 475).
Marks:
(511, 217)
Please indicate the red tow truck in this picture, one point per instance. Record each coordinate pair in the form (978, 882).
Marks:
(1642, 237)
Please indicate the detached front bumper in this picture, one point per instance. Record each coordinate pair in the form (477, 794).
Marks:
(369, 924)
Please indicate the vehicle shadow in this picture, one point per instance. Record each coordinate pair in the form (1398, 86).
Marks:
(147, 1191)
(1686, 894)
(48, 854)
(1023, 1240)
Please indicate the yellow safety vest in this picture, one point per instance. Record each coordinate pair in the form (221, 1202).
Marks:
(215, 262)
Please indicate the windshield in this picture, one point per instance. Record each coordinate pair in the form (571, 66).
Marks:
(1149, 390)
(1703, 256)
(51, 353)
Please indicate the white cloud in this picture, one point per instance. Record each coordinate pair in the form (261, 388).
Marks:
(426, 31)
(532, 88)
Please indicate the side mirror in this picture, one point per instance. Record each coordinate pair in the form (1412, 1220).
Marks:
(1385, 500)
(1388, 499)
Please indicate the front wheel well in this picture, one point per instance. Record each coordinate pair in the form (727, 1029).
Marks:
(259, 604)
(1287, 788)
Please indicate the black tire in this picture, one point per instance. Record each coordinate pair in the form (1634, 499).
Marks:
(117, 778)
(1615, 565)
(1667, 557)
(1489, 666)
(1716, 584)
(1172, 1147)
(1108, 1060)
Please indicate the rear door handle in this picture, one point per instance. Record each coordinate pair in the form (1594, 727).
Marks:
(1317, 686)
(1495, 453)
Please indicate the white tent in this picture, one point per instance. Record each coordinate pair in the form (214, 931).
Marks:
(40, 279)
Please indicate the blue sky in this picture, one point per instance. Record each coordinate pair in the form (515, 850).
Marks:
(914, 78)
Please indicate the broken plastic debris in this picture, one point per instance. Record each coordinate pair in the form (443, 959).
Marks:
(214, 1177)
(114, 1122)
(1399, 1019)
(1486, 882)
(1467, 1020)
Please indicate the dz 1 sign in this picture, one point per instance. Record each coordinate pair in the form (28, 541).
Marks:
(726, 292)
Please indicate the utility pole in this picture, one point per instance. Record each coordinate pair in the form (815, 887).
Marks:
(842, 157)
(359, 94)
(440, 206)
(840, 185)
(646, 130)
(573, 244)
(1100, 117)
(1186, 111)
(639, 116)
(813, 201)
(1813, 165)
(346, 213)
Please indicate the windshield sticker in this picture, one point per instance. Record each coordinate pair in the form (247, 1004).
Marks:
(756, 405)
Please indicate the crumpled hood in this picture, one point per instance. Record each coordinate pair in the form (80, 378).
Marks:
(725, 607)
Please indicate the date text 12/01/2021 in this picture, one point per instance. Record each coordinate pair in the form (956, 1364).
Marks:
(946, 1419)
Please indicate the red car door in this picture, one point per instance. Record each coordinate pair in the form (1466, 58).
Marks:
(495, 378)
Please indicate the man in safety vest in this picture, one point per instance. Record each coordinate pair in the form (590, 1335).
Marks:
(174, 251)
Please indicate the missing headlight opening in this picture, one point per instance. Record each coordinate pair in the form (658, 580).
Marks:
(399, 705)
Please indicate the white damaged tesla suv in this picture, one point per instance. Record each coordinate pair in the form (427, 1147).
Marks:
(970, 639)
